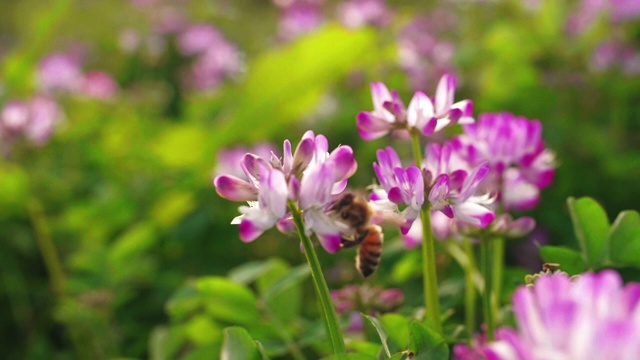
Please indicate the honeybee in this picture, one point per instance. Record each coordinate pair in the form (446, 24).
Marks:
(355, 212)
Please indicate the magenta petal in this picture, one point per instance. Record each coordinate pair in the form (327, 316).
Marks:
(286, 225)
(521, 227)
(372, 123)
(395, 195)
(303, 155)
(440, 190)
(235, 189)
(444, 94)
(248, 231)
(448, 211)
(430, 127)
(346, 164)
(330, 242)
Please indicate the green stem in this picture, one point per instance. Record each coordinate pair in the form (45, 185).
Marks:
(330, 316)
(497, 271)
(47, 247)
(429, 274)
(486, 260)
(470, 288)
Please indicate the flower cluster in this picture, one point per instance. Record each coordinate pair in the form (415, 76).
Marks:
(61, 73)
(298, 17)
(595, 316)
(215, 59)
(359, 13)
(211, 58)
(34, 119)
(310, 176)
(513, 148)
(422, 53)
(355, 299)
(424, 114)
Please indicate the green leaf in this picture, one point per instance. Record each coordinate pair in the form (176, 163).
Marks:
(184, 302)
(624, 239)
(381, 333)
(238, 345)
(570, 261)
(201, 330)
(427, 344)
(280, 287)
(591, 226)
(249, 272)
(397, 328)
(228, 301)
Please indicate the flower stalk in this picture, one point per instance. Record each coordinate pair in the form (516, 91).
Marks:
(470, 288)
(497, 266)
(486, 260)
(330, 315)
(429, 274)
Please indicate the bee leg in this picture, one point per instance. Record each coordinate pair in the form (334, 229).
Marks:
(348, 243)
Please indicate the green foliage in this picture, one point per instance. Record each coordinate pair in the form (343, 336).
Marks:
(601, 244)
(239, 345)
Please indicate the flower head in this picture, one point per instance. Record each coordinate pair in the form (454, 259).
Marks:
(310, 176)
(515, 153)
(592, 317)
(358, 13)
(424, 114)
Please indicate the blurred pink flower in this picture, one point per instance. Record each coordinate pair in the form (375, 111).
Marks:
(99, 85)
(59, 72)
(359, 13)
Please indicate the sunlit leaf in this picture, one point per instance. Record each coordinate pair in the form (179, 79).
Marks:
(571, 261)
(591, 226)
(228, 301)
(397, 328)
(427, 344)
(624, 239)
(381, 333)
(238, 345)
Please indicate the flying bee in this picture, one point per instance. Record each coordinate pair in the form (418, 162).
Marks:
(355, 212)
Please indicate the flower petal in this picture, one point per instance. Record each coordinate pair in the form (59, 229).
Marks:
(444, 94)
(235, 189)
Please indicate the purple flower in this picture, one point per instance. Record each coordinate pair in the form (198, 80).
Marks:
(271, 205)
(593, 317)
(359, 13)
(513, 148)
(310, 176)
(59, 72)
(44, 115)
(402, 186)
(423, 114)
(422, 52)
(229, 160)
(14, 117)
(298, 19)
(34, 119)
(99, 85)
(454, 186)
(219, 61)
(198, 38)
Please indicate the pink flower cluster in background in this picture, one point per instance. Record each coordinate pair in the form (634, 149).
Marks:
(33, 120)
(61, 73)
(352, 300)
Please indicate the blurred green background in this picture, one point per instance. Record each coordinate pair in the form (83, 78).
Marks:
(122, 190)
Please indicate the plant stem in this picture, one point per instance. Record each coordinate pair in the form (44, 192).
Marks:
(497, 249)
(486, 255)
(429, 274)
(330, 316)
(47, 247)
(470, 289)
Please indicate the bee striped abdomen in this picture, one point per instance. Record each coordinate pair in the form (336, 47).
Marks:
(370, 251)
